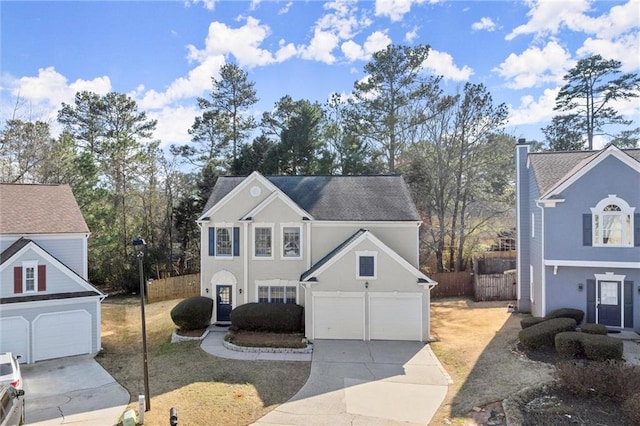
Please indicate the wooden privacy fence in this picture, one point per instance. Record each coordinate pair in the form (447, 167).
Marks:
(495, 286)
(173, 288)
(452, 284)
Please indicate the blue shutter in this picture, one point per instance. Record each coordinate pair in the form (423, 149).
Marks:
(628, 304)
(587, 231)
(236, 241)
(636, 229)
(366, 266)
(591, 301)
(212, 241)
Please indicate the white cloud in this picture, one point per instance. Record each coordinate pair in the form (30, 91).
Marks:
(484, 23)
(532, 111)
(624, 49)
(535, 66)
(547, 17)
(396, 9)
(441, 63)
(173, 124)
(207, 4)
(285, 9)
(411, 35)
(242, 42)
(321, 47)
(376, 41)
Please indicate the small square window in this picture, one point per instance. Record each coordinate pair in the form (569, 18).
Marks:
(366, 265)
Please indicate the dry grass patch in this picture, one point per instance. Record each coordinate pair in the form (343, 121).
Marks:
(474, 345)
(204, 389)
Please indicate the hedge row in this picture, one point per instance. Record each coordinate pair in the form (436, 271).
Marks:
(544, 333)
(272, 317)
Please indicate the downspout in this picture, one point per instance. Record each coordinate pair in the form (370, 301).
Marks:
(245, 268)
(543, 268)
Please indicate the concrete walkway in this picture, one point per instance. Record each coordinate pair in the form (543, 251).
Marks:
(357, 383)
(631, 345)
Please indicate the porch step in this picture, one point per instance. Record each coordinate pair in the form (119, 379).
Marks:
(624, 334)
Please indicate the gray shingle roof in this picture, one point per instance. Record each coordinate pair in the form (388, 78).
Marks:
(39, 209)
(549, 168)
(348, 198)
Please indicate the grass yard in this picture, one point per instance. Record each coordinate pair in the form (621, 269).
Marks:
(204, 389)
(474, 345)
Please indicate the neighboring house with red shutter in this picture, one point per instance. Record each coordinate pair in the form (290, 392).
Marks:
(48, 308)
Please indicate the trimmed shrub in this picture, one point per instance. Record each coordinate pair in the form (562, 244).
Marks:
(193, 313)
(591, 328)
(569, 344)
(273, 317)
(613, 379)
(529, 321)
(576, 314)
(544, 333)
(601, 348)
(631, 407)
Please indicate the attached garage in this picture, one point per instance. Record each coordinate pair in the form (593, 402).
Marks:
(14, 336)
(338, 315)
(367, 316)
(61, 334)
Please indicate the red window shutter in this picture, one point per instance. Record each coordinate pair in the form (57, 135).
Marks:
(17, 279)
(42, 277)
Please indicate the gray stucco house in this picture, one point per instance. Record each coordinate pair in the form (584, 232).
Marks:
(48, 308)
(344, 247)
(578, 233)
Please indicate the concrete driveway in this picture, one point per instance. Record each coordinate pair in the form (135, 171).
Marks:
(366, 383)
(73, 390)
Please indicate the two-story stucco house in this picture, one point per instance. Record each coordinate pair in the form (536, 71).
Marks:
(578, 236)
(48, 309)
(344, 247)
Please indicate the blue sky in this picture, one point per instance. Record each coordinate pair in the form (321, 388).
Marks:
(164, 53)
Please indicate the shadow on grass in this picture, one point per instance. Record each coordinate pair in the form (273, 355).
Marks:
(499, 372)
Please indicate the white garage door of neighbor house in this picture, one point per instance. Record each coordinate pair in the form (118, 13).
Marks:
(14, 337)
(60, 334)
(395, 316)
(338, 315)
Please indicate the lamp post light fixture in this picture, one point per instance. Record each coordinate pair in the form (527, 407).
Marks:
(139, 245)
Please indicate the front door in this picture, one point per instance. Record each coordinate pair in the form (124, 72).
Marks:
(223, 303)
(609, 303)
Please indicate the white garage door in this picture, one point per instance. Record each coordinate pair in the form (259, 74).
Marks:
(14, 337)
(61, 334)
(338, 315)
(395, 316)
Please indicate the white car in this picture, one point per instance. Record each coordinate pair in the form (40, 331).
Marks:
(10, 370)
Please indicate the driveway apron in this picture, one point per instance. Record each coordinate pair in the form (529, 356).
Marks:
(366, 383)
(74, 390)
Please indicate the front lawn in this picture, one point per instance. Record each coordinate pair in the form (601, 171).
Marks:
(203, 388)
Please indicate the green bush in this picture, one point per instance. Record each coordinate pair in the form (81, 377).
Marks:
(193, 313)
(576, 314)
(544, 333)
(612, 379)
(591, 328)
(601, 348)
(569, 344)
(527, 322)
(272, 317)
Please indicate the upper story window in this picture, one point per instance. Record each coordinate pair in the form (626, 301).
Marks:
(612, 223)
(224, 241)
(291, 242)
(263, 241)
(366, 265)
(29, 277)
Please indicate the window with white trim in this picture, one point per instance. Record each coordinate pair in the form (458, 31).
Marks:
(612, 223)
(30, 276)
(224, 241)
(277, 294)
(291, 242)
(263, 242)
(367, 265)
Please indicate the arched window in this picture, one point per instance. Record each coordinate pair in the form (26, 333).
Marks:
(612, 223)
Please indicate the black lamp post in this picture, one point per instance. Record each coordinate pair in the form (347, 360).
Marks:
(139, 245)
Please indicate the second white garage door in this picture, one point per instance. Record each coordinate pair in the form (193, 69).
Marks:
(395, 316)
(61, 334)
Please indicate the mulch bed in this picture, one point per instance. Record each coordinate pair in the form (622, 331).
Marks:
(191, 333)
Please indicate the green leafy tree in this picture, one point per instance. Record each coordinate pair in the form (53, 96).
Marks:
(261, 155)
(563, 134)
(393, 82)
(22, 150)
(627, 138)
(591, 87)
